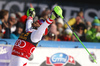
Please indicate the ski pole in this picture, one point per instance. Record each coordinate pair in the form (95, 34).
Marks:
(59, 12)
(80, 41)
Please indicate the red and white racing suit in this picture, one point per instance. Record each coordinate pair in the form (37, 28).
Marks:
(27, 42)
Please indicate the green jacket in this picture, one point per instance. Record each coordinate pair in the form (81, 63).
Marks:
(98, 36)
(91, 35)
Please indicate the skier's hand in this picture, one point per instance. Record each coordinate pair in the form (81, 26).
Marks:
(57, 12)
(54, 15)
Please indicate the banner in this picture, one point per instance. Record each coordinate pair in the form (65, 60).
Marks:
(64, 57)
(5, 54)
(70, 8)
(43, 56)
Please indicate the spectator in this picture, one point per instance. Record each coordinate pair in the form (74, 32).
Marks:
(80, 32)
(19, 30)
(91, 34)
(75, 21)
(53, 31)
(60, 25)
(23, 19)
(80, 17)
(11, 26)
(52, 37)
(12, 21)
(3, 21)
(89, 25)
(1, 34)
(67, 35)
(98, 34)
(45, 14)
(35, 19)
(71, 22)
(53, 28)
(18, 16)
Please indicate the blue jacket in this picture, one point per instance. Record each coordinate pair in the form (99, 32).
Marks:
(14, 36)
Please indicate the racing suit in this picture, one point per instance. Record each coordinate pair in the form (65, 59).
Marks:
(27, 42)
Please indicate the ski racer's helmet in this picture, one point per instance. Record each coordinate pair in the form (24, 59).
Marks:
(31, 12)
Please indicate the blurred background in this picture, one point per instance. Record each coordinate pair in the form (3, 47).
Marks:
(82, 15)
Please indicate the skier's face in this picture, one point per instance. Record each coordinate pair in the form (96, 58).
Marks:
(36, 24)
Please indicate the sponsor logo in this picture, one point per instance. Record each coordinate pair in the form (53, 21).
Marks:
(60, 59)
(93, 55)
(16, 52)
(3, 50)
(20, 43)
(32, 49)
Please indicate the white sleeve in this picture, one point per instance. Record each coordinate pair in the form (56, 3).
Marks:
(29, 25)
(37, 35)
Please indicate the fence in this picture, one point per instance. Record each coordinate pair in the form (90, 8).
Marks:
(54, 53)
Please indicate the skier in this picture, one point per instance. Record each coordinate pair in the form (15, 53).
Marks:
(27, 42)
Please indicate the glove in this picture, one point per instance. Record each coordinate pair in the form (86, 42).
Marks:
(31, 12)
(53, 15)
(57, 12)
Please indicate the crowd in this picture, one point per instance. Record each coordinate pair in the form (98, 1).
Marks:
(13, 24)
